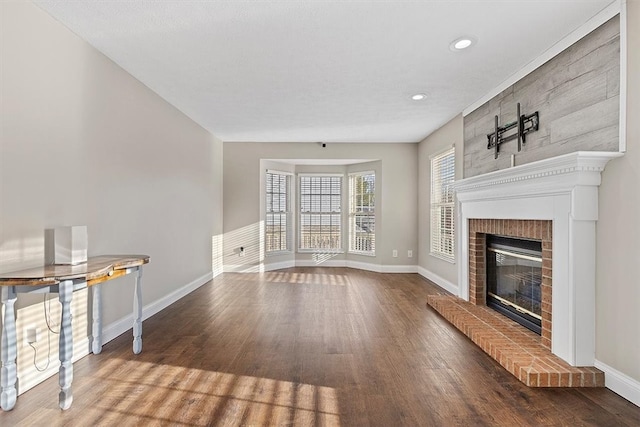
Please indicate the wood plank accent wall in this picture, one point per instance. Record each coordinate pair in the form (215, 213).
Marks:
(577, 94)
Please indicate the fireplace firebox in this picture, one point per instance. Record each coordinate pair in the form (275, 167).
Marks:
(514, 277)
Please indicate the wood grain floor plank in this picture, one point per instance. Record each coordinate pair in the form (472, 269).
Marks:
(308, 347)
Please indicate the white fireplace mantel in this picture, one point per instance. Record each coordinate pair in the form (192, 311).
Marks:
(562, 189)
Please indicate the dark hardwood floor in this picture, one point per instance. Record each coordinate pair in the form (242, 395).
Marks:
(310, 347)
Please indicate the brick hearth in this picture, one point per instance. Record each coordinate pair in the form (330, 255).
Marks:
(516, 348)
(523, 353)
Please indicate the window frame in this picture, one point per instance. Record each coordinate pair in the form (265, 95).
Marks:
(355, 213)
(334, 214)
(442, 239)
(287, 212)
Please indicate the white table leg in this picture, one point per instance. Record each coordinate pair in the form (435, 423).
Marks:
(137, 314)
(9, 344)
(65, 375)
(96, 327)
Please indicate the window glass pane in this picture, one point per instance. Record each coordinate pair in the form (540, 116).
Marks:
(362, 213)
(442, 205)
(319, 198)
(277, 226)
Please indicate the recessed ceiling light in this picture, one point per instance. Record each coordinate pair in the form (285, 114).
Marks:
(461, 43)
(419, 97)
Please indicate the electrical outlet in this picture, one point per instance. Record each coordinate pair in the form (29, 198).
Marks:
(395, 253)
(410, 253)
(31, 335)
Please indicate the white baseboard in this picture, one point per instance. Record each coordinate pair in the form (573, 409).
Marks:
(279, 265)
(620, 383)
(377, 268)
(399, 269)
(327, 263)
(117, 328)
(244, 268)
(218, 271)
(440, 281)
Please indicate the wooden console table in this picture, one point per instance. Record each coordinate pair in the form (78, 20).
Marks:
(64, 280)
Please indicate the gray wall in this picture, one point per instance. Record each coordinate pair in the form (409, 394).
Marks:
(618, 234)
(450, 134)
(396, 210)
(85, 143)
(577, 96)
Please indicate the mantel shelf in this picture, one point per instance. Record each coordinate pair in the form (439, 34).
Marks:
(577, 162)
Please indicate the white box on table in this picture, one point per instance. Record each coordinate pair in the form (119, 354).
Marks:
(70, 244)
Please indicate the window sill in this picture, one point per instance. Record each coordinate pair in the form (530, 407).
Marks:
(320, 251)
(450, 260)
(278, 253)
(369, 254)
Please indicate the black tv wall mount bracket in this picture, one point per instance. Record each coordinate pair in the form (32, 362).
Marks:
(524, 125)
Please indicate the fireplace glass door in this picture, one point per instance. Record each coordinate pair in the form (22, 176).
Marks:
(514, 276)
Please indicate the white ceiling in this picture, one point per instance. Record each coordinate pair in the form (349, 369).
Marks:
(332, 71)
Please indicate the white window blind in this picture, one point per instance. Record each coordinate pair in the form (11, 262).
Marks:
(442, 205)
(320, 212)
(278, 212)
(362, 218)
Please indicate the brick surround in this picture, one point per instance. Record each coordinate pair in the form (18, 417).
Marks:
(526, 229)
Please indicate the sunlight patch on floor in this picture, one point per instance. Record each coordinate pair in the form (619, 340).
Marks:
(307, 278)
(185, 396)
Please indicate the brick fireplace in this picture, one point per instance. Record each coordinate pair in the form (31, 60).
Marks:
(554, 202)
(552, 199)
(525, 229)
